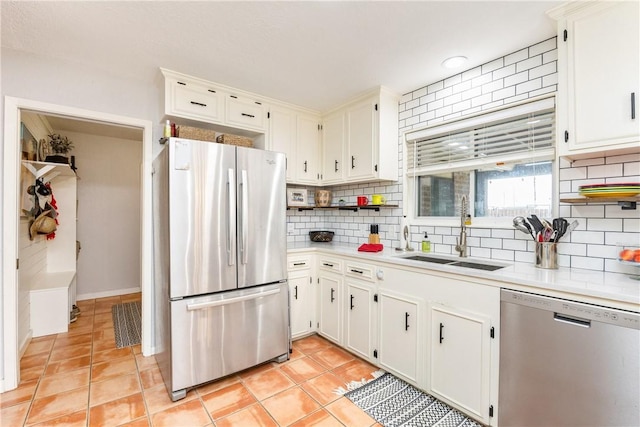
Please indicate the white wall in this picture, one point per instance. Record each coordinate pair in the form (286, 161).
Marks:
(108, 226)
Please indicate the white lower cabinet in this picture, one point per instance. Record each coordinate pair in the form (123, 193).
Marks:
(359, 318)
(301, 295)
(399, 329)
(330, 306)
(460, 356)
(301, 298)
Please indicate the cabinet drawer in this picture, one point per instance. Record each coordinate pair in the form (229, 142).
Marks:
(194, 101)
(361, 271)
(330, 264)
(245, 113)
(298, 263)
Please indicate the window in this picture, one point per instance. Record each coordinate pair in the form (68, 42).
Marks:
(501, 160)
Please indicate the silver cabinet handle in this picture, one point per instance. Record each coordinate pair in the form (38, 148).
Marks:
(217, 303)
(199, 104)
(248, 115)
(633, 105)
(353, 270)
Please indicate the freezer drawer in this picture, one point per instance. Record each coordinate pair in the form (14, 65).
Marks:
(220, 334)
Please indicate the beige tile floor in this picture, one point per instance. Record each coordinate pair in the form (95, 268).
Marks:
(80, 378)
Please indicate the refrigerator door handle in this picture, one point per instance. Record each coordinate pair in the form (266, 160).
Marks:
(231, 200)
(209, 304)
(245, 215)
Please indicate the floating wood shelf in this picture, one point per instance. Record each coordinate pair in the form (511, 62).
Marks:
(625, 202)
(353, 208)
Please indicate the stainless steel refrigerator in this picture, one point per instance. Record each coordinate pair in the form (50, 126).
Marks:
(222, 302)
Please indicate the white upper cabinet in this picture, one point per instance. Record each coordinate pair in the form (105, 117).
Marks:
(333, 164)
(192, 98)
(296, 133)
(307, 166)
(370, 139)
(362, 137)
(599, 76)
(245, 113)
(282, 135)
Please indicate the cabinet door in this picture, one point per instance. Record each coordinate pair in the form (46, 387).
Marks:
(330, 302)
(399, 332)
(307, 167)
(362, 140)
(193, 101)
(301, 302)
(333, 149)
(282, 136)
(245, 113)
(460, 359)
(359, 317)
(604, 73)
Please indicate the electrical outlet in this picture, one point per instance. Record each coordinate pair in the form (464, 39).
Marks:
(291, 228)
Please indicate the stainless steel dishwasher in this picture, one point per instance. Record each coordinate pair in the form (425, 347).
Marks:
(565, 363)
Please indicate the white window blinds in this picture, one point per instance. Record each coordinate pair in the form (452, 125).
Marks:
(521, 133)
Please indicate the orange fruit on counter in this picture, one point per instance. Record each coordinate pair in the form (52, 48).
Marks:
(627, 255)
(636, 255)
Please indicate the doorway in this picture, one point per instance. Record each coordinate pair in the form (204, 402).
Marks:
(11, 172)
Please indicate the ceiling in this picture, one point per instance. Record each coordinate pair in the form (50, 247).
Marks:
(313, 54)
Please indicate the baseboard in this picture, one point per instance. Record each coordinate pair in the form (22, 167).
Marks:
(24, 344)
(116, 292)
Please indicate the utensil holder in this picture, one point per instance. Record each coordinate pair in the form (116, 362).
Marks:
(547, 255)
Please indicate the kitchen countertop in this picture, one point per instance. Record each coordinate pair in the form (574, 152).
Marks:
(609, 289)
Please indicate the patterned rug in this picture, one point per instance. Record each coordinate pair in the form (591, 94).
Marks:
(393, 403)
(127, 322)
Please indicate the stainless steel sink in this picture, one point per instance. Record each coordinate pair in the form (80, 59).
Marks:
(429, 259)
(456, 262)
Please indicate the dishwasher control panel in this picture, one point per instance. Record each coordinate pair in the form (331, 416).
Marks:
(578, 310)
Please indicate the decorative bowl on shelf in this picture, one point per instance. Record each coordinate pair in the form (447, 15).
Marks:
(321, 236)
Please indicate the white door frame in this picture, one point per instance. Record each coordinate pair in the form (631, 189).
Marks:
(10, 223)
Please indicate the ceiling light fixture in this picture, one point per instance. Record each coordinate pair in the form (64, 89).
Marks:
(454, 61)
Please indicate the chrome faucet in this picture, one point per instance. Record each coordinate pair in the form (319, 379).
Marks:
(461, 243)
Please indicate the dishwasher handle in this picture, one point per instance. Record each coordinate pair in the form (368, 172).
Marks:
(575, 321)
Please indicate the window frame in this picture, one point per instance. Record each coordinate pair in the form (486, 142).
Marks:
(410, 179)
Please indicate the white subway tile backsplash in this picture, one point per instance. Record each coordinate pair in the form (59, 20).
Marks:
(631, 225)
(542, 47)
(481, 80)
(529, 86)
(550, 56)
(587, 162)
(602, 224)
(602, 251)
(502, 255)
(516, 78)
(504, 93)
(529, 63)
(472, 73)
(631, 168)
(572, 249)
(604, 171)
(492, 86)
(488, 242)
(573, 173)
(494, 65)
(578, 236)
(518, 56)
(623, 158)
(587, 263)
(509, 70)
(454, 80)
(543, 70)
